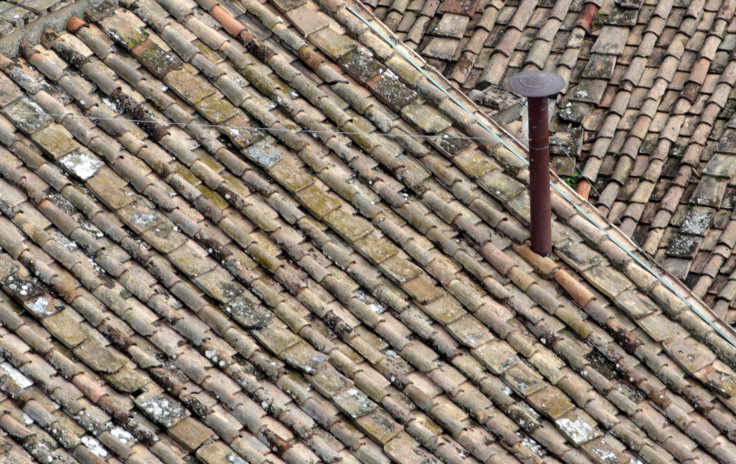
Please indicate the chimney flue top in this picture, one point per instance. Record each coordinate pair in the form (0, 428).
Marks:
(534, 84)
(537, 86)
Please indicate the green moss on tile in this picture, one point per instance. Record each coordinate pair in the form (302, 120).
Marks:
(426, 117)
(378, 249)
(213, 196)
(185, 173)
(277, 337)
(350, 226)
(501, 185)
(318, 201)
(158, 61)
(444, 310)
(190, 86)
(191, 260)
(551, 402)
(102, 359)
(292, 173)
(332, 43)
(55, 141)
(216, 109)
(260, 81)
(379, 426)
(66, 328)
(122, 29)
(400, 269)
(211, 55)
(127, 380)
(8, 91)
(360, 65)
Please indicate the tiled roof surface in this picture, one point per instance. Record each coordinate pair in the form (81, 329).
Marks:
(648, 110)
(187, 277)
(14, 14)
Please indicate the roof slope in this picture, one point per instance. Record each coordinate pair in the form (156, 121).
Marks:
(648, 109)
(187, 276)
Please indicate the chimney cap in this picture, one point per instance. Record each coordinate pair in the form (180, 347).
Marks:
(536, 84)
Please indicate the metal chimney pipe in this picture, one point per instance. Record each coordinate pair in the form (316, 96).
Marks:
(538, 86)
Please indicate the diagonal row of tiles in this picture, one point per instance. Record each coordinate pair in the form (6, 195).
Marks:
(180, 223)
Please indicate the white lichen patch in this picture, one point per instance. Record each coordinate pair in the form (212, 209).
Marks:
(95, 446)
(143, 219)
(22, 287)
(41, 450)
(311, 364)
(577, 430)
(605, 455)
(95, 266)
(392, 354)
(17, 376)
(42, 306)
(270, 104)
(264, 154)
(162, 409)
(361, 404)
(123, 435)
(89, 227)
(247, 312)
(696, 222)
(111, 104)
(535, 447)
(233, 458)
(68, 244)
(377, 307)
(81, 164)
